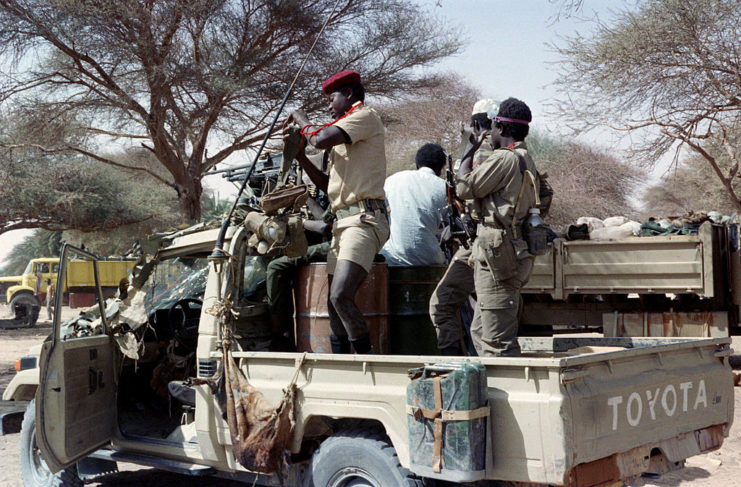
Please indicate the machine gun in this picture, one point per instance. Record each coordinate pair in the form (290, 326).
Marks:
(461, 227)
(263, 177)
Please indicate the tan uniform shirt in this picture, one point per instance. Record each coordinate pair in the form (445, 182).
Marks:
(495, 184)
(358, 169)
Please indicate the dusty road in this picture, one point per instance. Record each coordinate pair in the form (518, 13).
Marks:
(716, 469)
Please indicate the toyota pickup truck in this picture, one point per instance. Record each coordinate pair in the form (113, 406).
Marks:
(570, 411)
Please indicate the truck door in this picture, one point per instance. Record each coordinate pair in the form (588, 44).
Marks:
(75, 401)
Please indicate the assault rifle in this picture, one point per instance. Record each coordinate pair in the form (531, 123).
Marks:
(461, 228)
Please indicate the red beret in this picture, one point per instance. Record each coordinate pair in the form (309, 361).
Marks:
(340, 79)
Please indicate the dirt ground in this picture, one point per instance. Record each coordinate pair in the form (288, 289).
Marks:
(716, 469)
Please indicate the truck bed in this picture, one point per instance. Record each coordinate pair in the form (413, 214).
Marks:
(570, 411)
(679, 264)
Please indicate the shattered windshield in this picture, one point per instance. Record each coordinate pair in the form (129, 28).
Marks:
(175, 279)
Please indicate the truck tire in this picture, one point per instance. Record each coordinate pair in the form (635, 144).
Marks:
(358, 458)
(32, 304)
(34, 471)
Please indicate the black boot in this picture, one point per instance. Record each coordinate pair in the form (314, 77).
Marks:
(339, 344)
(362, 345)
(451, 351)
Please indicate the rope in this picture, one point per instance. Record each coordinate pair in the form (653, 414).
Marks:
(296, 372)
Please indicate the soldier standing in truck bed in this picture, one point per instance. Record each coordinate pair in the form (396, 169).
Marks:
(355, 187)
(501, 265)
(457, 284)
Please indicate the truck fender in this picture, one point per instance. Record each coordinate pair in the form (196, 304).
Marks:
(14, 290)
(23, 386)
(321, 423)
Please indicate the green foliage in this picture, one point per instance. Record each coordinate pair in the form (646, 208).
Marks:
(214, 209)
(668, 72)
(586, 181)
(58, 193)
(41, 243)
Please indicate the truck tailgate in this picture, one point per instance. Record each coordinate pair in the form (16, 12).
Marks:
(672, 397)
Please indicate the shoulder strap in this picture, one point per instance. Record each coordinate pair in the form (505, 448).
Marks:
(527, 177)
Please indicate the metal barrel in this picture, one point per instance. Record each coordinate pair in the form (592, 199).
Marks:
(312, 318)
(411, 328)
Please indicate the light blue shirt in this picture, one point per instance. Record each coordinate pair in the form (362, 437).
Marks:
(415, 200)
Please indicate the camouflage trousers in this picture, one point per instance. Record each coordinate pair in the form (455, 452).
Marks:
(495, 320)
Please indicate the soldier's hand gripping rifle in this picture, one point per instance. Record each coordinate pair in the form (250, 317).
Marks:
(459, 226)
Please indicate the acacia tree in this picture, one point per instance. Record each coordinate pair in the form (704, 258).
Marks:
(433, 115)
(585, 181)
(194, 81)
(61, 191)
(670, 73)
(691, 187)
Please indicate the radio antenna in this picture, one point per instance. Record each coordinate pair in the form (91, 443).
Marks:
(218, 252)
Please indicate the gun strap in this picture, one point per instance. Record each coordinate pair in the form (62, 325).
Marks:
(527, 177)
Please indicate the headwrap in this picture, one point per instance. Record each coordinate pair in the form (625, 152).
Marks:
(484, 106)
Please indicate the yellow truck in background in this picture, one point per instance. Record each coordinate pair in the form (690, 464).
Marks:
(29, 289)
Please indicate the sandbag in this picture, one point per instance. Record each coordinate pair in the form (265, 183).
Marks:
(634, 226)
(591, 222)
(611, 233)
(615, 221)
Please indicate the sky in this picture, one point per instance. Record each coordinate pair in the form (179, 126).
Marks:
(508, 52)
(507, 55)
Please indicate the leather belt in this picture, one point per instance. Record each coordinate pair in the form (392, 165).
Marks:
(362, 206)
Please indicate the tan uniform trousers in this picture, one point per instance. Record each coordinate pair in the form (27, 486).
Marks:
(358, 238)
(495, 320)
(446, 301)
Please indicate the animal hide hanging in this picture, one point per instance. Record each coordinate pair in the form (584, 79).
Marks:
(260, 433)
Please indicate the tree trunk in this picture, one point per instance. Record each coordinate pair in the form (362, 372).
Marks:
(190, 199)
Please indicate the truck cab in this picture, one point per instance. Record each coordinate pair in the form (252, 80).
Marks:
(33, 279)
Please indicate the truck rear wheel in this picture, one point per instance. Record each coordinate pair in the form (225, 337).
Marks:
(34, 471)
(359, 458)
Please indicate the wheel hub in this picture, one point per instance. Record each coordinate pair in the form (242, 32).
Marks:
(353, 477)
(40, 470)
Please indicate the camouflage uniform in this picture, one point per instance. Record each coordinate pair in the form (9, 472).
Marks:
(455, 287)
(498, 273)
